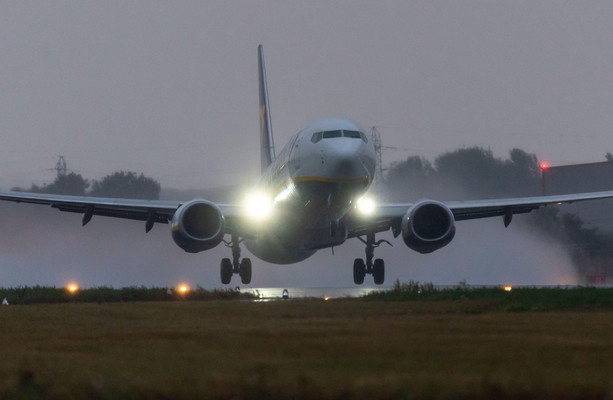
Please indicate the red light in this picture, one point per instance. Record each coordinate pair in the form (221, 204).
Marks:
(544, 166)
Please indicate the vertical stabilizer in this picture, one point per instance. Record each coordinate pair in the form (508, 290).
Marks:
(267, 144)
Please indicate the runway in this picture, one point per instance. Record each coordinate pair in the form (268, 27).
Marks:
(359, 291)
(317, 292)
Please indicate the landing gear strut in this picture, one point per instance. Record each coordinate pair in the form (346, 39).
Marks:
(376, 268)
(235, 266)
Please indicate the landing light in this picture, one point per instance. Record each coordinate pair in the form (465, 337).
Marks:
(183, 288)
(508, 288)
(366, 205)
(258, 206)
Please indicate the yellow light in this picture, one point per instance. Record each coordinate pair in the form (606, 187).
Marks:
(366, 205)
(326, 298)
(72, 287)
(183, 288)
(258, 206)
(508, 288)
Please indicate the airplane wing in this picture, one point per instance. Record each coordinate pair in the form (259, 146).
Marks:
(388, 216)
(151, 211)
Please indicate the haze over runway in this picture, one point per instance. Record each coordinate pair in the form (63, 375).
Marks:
(170, 90)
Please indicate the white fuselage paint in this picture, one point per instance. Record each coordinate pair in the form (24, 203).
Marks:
(313, 185)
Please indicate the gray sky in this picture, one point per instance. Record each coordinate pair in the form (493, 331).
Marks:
(170, 89)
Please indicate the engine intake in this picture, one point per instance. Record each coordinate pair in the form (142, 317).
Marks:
(197, 225)
(427, 226)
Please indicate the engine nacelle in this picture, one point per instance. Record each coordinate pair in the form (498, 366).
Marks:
(197, 225)
(427, 226)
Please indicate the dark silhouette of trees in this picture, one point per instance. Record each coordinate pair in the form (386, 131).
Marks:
(126, 185)
(70, 184)
(483, 174)
(119, 184)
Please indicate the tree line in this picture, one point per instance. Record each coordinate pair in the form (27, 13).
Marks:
(122, 184)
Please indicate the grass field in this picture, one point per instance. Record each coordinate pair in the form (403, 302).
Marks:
(338, 349)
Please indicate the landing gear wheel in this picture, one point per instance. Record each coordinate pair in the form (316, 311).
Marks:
(359, 271)
(245, 271)
(378, 271)
(226, 271)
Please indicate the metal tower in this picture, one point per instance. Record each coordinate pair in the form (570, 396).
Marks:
(376, 139)
(60, 166)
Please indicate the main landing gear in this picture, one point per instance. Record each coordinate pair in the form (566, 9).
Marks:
(235, 266)
(376, 269)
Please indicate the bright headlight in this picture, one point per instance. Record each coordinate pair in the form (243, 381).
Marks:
(258, 206)
(366, 205)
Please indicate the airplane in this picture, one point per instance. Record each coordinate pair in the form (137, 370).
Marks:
(312, 195)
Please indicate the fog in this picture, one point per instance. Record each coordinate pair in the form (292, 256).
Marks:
(170, 90)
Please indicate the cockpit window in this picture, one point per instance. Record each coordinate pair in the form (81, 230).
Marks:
(333, 134)
(317, 136)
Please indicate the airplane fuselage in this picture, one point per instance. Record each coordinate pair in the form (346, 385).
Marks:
(314, 181)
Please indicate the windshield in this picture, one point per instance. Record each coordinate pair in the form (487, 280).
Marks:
(317, 136)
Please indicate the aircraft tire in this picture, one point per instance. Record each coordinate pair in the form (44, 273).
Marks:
(359, 271)
(378, 271)
(226, 271)
(245, 271)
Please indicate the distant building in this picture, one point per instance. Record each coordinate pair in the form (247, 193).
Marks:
(577, 178)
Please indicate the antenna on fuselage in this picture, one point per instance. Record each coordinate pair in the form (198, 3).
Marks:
(267, 144)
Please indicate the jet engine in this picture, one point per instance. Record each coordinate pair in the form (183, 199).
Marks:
(197, 225)
(427, 226)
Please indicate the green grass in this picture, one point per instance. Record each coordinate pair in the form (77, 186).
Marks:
(349, 348)
(497, 299)
(460, 299)
(42, 294)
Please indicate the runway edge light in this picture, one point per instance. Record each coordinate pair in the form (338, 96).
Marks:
(72, 288)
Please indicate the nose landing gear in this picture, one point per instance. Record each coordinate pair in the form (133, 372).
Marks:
(376, 268)
(236, 265)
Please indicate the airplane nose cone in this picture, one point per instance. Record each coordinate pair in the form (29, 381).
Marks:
(343, 159)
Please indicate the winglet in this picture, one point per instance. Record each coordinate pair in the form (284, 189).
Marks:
(267, 145)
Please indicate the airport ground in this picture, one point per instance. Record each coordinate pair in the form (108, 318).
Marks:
(337, 349)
